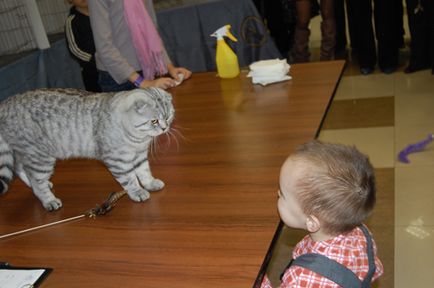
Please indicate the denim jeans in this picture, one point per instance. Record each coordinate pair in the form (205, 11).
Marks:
(108, 84)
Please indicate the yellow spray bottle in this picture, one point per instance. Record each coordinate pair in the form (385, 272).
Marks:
(226, 59)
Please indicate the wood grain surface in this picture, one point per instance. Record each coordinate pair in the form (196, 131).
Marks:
(212, 225)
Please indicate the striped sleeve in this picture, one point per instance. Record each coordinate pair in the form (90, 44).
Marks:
(72, 44)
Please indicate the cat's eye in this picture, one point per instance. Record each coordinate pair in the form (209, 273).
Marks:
(154, 122)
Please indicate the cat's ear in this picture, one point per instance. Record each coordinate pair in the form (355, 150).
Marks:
(160, 93)
(141, 106)
(167, 96)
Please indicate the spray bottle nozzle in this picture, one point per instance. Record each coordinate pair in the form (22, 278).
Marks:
(224, 31)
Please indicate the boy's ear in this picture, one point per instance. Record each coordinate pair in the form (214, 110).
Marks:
(312, 224)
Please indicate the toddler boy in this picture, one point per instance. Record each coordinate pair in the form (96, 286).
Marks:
(328, 190)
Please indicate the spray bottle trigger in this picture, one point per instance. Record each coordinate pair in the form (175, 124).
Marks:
(231, 36)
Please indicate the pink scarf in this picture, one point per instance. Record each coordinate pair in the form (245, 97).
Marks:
(146, 40)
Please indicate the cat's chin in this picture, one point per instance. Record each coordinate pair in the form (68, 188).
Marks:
(156, 134)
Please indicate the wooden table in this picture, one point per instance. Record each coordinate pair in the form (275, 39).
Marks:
(212, 225)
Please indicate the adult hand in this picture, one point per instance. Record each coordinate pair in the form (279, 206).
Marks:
(163, 83)
(174, 71)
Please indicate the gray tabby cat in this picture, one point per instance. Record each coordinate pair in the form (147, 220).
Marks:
(40, 126)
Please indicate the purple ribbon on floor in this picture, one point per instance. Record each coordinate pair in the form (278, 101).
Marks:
(416, 147)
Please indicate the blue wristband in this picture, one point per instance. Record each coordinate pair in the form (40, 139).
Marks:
(138, 81)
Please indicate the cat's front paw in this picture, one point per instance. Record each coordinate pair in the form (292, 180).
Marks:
(155, 185)
(52, 205)
(139, 195)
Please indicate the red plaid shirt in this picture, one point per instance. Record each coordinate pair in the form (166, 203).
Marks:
(348, 249)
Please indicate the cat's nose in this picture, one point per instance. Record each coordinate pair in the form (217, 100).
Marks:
(164, 126)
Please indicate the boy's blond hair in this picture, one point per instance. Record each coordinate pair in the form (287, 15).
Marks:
(338, 187)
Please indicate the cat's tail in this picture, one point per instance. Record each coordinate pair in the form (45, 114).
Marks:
(6, 165)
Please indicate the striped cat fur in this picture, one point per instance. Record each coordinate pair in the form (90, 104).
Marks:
(37, 127)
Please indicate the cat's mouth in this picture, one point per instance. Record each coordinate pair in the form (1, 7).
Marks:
(154, 131)
(153, 122)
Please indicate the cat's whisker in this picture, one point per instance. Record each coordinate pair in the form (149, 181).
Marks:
(154, 147)
(179, 127)
(151, 149)
(173, 135)
(169, 140)
(175, 131)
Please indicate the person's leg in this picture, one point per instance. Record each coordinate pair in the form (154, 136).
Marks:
(361, 13)
(341, 36)
(418, 38)
(385, 15)
(429, 6)
(108, 84)
(351, 20)
(400, 31)
(276, 18)
(90, 78)
(300, 50)
(328, 30)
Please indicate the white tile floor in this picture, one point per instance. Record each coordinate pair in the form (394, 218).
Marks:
(414, 182)
(358, 87)
(376, 142)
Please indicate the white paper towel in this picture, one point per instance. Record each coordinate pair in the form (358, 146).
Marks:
(265, 72)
